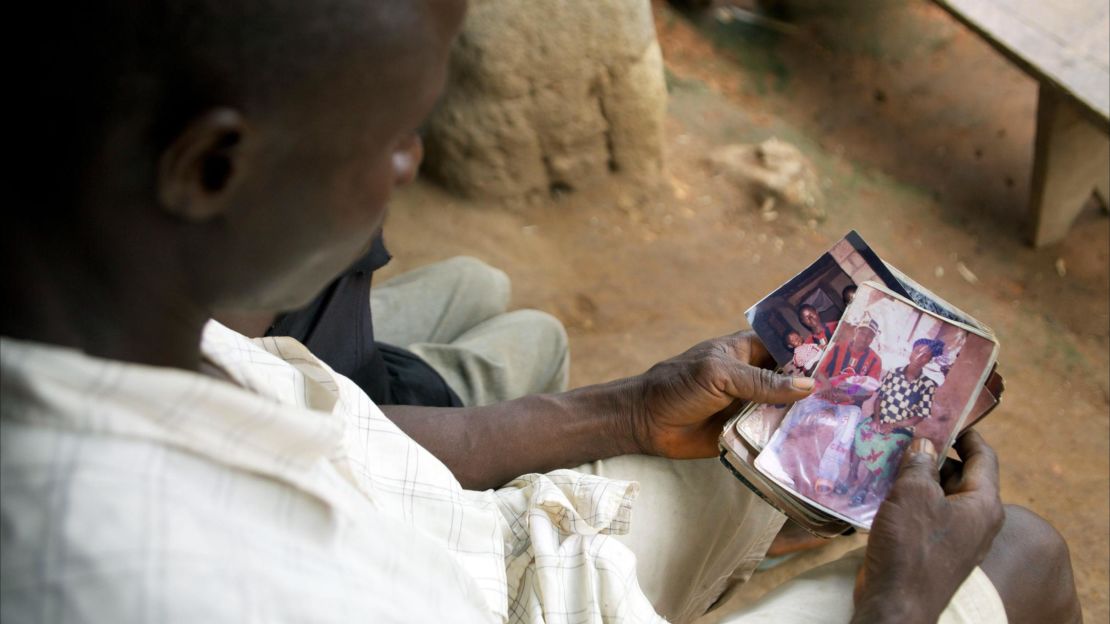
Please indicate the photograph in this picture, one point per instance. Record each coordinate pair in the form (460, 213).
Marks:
(758, 423)
(892, 372)
(797, 320)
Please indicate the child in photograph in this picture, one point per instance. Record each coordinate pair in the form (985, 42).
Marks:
(903, 400)
(806, 355)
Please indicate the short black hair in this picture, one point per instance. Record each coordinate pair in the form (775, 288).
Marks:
(807, 305)
(92, 67)
(850, 288)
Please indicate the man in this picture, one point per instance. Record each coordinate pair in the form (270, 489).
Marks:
(903, 400)
(820, 333)
(857, 359)
(235, 157)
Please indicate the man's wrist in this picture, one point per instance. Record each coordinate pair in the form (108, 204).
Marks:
(613, 405)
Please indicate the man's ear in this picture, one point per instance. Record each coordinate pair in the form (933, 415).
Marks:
(198, 169)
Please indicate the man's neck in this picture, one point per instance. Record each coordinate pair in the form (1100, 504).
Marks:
(911, 372)
(131, 314)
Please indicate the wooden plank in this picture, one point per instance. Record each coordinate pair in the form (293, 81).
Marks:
(1063, 42)
(1071, 159)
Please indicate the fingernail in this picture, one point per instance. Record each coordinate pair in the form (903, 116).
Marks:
(923, 445)
(802, 383)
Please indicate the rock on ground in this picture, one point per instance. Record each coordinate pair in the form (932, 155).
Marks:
(547, 97)
(776, 175)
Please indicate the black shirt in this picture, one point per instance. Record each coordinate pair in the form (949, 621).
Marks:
(337, 328)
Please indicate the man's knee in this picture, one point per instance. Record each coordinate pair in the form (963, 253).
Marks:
(1029, 559)
(548, 339)
(1036, 538)
(548, 331)
(481, 279)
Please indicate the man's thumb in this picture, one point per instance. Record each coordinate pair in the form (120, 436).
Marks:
(919, 463)
(760, 385)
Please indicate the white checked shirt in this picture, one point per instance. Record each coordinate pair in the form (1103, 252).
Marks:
(139, 494)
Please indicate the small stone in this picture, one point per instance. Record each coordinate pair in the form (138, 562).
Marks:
(966, 273)
(1061, 267)
(772, 170)
(939, 271)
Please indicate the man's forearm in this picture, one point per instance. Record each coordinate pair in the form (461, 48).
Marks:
(488, 446)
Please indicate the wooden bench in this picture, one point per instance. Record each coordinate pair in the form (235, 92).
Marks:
(1065, 45)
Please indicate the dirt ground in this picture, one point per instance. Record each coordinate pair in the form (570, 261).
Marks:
(923, 138)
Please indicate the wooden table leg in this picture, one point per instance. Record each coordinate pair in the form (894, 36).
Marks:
(1070, 160)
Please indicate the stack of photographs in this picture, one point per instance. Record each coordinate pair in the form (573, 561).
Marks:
(891, 361)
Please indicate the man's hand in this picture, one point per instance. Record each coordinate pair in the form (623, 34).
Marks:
(930, 533)
(678, 408)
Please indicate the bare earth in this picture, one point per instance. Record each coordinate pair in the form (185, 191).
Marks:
(923, 137)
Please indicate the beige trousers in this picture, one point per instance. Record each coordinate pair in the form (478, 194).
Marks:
(696, 531)
(453, 314)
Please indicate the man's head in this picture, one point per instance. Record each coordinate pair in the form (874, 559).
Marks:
(807, 314)
(864, 334)
(793, 340)
(242, 150)
(848, 294)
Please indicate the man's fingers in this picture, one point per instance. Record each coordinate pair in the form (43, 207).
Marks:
(980, 471)
(918, 472)
(747, 348)
(764, 386)
(951, 472)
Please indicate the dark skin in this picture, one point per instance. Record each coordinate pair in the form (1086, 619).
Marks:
(253, 198)
(935, 526)
(848, 294)
(809, 317)
(793, 340)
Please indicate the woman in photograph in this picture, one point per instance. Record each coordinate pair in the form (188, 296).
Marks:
(903, 400)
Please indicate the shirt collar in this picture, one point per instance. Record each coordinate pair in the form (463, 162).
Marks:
(282, 430)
